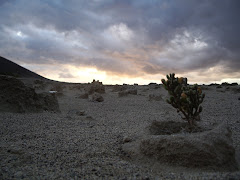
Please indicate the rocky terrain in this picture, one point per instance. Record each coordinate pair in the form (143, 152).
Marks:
(87, 138)
(16, 97)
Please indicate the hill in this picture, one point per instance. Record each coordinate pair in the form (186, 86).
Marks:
(10, 68)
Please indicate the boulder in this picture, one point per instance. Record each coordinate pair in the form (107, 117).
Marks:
(153, 86)
(211, 149)
(16, 97)
(95, 86)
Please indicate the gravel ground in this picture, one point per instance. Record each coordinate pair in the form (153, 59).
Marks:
(88, 146)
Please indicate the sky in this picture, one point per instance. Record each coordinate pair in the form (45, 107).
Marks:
(123, 41)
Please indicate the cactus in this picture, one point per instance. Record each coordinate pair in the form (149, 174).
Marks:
(185, 98)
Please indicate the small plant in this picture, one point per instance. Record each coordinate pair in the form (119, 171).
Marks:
(185, 98)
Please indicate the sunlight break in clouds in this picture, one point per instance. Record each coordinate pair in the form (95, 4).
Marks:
(118, 34)
(19, 33)
(120, 31)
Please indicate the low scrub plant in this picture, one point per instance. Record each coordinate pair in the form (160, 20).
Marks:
(185, 98)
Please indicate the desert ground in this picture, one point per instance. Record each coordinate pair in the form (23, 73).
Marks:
(86, 138)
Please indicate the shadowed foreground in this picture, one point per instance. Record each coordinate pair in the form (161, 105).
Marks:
(85, 140)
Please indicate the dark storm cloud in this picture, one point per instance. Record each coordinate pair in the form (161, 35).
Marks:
(184, 35)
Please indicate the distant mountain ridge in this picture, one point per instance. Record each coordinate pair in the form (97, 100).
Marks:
(10, 68)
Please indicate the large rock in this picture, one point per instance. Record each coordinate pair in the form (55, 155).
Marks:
(16, 97)
(93, 87)
(212, 149)
(153, 85)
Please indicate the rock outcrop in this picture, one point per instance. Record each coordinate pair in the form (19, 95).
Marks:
(212, 149)
(16, 97)
(95, 86)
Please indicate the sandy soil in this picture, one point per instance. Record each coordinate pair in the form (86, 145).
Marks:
(88, 145)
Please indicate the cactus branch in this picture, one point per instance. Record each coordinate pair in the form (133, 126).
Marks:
(186, 99)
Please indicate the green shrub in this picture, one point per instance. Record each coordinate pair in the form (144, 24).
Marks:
(185, 98)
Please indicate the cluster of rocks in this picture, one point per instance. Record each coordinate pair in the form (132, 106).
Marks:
(16, 97)
(93, 87)
(93, 91)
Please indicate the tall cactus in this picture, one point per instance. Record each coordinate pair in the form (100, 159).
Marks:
(185, 98)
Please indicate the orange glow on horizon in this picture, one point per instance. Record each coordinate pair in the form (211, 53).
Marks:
(87, 74)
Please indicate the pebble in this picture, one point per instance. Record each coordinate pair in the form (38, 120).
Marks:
(126, 139)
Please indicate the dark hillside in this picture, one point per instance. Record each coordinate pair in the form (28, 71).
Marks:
(10, 68)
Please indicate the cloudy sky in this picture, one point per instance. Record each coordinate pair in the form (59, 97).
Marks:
(123, 41)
